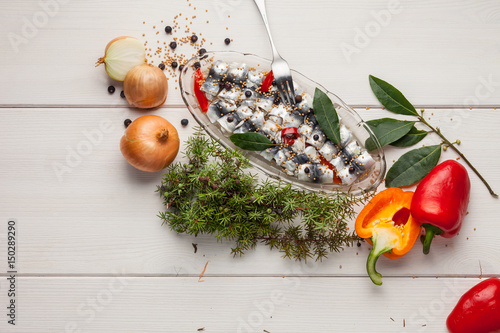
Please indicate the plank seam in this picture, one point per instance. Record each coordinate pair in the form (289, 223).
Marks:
(178, 106)
(258, 276)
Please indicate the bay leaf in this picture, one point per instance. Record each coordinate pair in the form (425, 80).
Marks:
(387, 131)
(327, 116)
(391, 98)
(413, 166)
(414, 136)
(251, 141)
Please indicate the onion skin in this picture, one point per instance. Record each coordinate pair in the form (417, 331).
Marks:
(150, 143)
(145, 86)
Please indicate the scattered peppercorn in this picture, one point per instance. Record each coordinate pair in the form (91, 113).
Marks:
(298, 98)
(122, 94)
(181, 67)
(194, 38)
(351, 169)
(111, 89)
(168, 29)
(173, 45)
(230, 119)
(184, 122)
(248, 94)
(174, 64)
(127, 122)
(316, 137)
(202, 51)
(306, 170)
(161, 66)
(197, 65)
(227, 41)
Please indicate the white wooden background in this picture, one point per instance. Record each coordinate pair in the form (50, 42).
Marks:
(92, 255)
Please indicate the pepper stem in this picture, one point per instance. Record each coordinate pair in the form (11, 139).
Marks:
(430, 231)
(377, 250)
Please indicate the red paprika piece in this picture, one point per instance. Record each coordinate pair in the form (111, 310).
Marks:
(440, 201)
(289, 134)
(267, 82)
(323, 161)
(199, 79)
(478, 310)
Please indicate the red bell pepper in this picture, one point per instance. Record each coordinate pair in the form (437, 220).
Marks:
(478, 310)
(200, 95)
(440, 201)
(267, 82)
(289, 134)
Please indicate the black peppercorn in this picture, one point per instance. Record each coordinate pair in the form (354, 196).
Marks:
(351, 169)
(161, 66)
(315, 137)
(298, 98)
(174, 64)
(306, 170)
(184, 122)
(194, 38)
(173, 45)
(122, 94)
(168, 29)
(248, 94)
(111, 89)
(127, 122)
(230, 119)
(197, 65)
(202, 51)
(227, 41)
(181, 67)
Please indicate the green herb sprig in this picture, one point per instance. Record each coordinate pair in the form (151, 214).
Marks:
(415, 164)
(213, 194)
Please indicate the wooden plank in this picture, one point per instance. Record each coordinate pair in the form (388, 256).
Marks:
(81, 209)
(438, 52)
(288, 304)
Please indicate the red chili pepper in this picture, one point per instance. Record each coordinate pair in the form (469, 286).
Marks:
(267, 82)
(200, 95)
(440, 201)
(478, 310)
(289, 134)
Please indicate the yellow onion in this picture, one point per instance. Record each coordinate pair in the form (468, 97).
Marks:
(150, 143)
(145, 87)
(121, 55)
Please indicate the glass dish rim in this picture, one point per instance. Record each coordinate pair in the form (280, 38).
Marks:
(313, 187)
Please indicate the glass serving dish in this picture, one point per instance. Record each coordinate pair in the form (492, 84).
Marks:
(370, 179)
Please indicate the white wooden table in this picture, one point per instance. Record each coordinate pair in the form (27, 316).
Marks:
(91, 253)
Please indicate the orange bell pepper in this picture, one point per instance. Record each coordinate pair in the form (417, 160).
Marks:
(387, 224)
